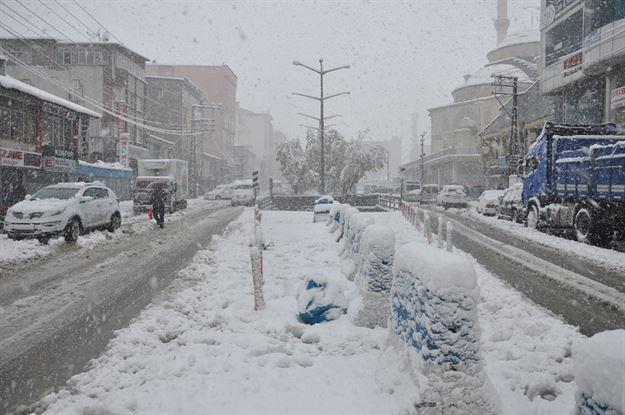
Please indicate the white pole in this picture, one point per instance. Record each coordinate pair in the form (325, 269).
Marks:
(450, 240)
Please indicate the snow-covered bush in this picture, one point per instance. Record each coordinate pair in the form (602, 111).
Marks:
(434, 299)
(320, 299)
(375, 275)
(600, 374)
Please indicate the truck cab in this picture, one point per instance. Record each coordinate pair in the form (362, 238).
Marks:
(174, 173)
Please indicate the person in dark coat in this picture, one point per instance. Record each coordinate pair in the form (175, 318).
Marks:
(159, 199)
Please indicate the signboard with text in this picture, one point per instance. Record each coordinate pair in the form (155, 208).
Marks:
(124, 151)
(617, 98)
(19, 158)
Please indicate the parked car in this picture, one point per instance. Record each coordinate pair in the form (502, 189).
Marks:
(223, 191)
(412, 196)
(243, 194)
(67, 209)
(452, 195)
(488, 201)
(510, 205)
(428, 194)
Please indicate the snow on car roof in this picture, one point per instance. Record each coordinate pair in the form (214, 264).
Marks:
(155, 178)
(77, 185)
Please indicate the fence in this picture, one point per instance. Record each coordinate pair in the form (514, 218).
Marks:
(389, 202)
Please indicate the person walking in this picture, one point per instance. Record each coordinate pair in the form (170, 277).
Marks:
(159, 199)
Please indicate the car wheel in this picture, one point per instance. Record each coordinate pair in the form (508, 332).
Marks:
(43, 240)
(115, 222)
(446, 206)
(533, 217)
(217, 197)
(72, 230)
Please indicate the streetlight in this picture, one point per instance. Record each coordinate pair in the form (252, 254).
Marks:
(321, 72)
(422, 157)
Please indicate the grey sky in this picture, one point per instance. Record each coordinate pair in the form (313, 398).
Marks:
(405, 56)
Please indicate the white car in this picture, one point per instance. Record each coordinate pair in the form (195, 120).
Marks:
(67, 209)
(223, 191)
(452, 195)
(243, 194)
(488, 201)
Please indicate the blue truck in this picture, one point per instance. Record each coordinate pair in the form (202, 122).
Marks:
(574, 180)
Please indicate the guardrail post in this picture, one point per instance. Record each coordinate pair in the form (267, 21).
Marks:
(439, 233)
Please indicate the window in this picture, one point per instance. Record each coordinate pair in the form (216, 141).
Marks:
(564, 39)
(92, 191)
(598, 13)
(101, 193)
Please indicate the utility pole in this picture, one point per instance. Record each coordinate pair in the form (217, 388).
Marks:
(422, 158)
(321, 72)
(199, 123)
(508, 85)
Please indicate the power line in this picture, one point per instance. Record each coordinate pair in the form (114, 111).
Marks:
(37, 16)
(74, 16)
(95, 103)
(63, 19)
(98, 22)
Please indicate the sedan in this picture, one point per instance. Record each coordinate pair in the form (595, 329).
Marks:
(488, 201)
(511, 204)
(452, 195)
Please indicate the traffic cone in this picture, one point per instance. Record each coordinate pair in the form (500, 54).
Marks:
(150, 213)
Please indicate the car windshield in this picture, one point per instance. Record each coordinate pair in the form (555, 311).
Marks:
(63, 193)
(329, 238)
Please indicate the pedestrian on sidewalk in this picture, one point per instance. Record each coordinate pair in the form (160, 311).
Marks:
(159, 198)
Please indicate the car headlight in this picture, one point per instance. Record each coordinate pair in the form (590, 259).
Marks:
(56, 212)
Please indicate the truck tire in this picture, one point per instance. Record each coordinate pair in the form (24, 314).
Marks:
(533, 217)
(587, 230)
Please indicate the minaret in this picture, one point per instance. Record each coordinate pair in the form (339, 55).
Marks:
(502, 23)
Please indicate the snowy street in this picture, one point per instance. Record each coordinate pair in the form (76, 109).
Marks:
(203, 349)
(60, 308)
(556, 273)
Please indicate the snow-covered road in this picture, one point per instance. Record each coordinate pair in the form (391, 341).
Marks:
(59, 311)
(203, 349)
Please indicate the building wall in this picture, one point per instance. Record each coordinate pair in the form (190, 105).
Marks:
(219, 84)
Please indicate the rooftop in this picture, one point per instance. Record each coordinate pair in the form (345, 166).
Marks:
(10, 83)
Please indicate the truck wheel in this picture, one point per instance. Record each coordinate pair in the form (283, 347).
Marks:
(533, 217)
(590, 232)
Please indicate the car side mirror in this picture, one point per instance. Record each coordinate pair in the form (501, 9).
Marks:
(27, 197)
(86, 199)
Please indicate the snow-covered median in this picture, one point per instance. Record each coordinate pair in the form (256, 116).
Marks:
(205, 350)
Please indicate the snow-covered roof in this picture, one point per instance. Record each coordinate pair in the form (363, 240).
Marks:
(520, 37)
(101, 164)
(485, 74)
(10, 83)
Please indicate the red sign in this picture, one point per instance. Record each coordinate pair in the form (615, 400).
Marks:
(19, 158)
(573, 61)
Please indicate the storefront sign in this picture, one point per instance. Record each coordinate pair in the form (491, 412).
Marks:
(19, 158)
(573, 61)
(120, 108)
(617, 98)
(59, 165)
(124, 150)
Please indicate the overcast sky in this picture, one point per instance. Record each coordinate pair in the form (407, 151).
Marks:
(405, 56)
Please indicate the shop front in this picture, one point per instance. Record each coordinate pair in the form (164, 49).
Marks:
(18, 170)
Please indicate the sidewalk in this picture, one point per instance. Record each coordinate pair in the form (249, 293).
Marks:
(205, 351)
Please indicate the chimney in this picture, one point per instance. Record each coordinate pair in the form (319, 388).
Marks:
(502, 23)
(3, 65)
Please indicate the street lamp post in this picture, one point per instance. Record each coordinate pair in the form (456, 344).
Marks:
(422, 158)
(321, 118)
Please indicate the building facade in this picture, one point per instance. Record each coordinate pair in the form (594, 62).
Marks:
(219, 84)
(255, 132)
(583, 60)
(103, 76)
(40, 138)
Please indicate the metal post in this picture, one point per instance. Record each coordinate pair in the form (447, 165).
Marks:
(322, 132)
(422, 159)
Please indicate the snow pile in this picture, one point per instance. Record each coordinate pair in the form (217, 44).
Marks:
(434, 313)
(600, 374)
(320, 299)
(335, 217)
(350, 254)
(375, 276)
(344, 228)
